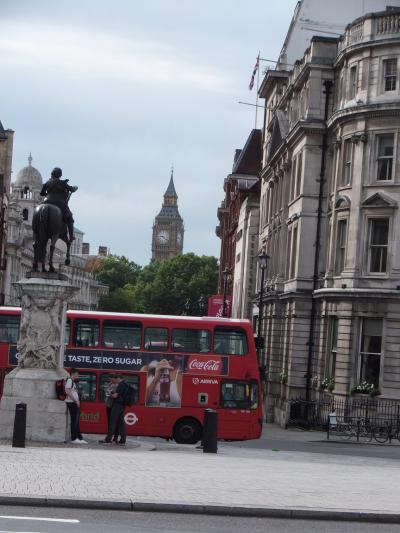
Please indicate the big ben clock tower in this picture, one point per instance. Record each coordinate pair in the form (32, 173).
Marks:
(168, 228)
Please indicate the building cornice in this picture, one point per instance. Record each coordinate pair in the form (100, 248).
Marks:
(378, 110)
(357, 293)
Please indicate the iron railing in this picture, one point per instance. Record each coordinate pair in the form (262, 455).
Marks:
(314, 414)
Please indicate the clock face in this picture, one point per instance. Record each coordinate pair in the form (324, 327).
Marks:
(163, 236)
(179, 237)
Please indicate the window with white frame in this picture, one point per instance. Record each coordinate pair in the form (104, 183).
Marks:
(347, 162)
(378, 243)
(341, 238)
(353, 83)
(293, 254)
(299, 173)
(370, 350)
(389, 74)
(333, 341)
(385, 156)
(293, 179)
(288, 242)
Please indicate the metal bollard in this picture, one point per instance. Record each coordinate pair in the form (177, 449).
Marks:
(19, 426)
(210, 430)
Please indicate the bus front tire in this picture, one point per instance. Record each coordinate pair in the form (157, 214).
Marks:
(187, 431)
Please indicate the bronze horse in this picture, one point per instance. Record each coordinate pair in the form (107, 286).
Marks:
(48, 224)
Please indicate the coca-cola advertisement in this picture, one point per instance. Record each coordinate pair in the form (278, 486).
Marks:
(216, 306)
(207, 365)
(212, 365)
(164, 381)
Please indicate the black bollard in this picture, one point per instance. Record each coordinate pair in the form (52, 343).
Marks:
(210, 430)
(19, 426)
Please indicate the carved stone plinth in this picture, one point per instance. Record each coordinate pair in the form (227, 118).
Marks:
(40, 360)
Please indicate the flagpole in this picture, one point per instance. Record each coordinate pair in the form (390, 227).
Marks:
(258, 81)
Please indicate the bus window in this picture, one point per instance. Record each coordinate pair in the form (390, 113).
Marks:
(191, 340)
(156, 339)
(87, 386)
(86, 333)
(230, 341)
(67, 331)
(105, 382)
(122, 335)
(9, 328)
(239, 395)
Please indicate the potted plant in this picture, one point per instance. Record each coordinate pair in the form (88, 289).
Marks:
(327, 383)
(364, 387)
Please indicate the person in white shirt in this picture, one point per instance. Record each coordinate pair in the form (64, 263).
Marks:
(73, 404)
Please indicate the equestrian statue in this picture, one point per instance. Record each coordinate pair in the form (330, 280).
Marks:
(52, 220)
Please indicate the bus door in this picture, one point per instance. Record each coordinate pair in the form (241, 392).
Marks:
(238, 399)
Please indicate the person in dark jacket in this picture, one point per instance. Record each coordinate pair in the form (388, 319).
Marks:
(57, 192)
(117, 422)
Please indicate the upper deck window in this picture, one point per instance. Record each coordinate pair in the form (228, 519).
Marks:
(122, 334)
(156, 339)
(191, 340)
(9, 328)
(86, 333)
(231, 341)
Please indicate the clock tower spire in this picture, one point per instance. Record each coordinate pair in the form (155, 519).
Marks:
(168, 227)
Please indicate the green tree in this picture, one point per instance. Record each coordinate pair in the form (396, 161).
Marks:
(117, 271)
(119, 300)
(175, 286)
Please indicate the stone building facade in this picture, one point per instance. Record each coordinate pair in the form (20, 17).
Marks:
(6, 149)
(329, 217)
(168, 228)
(23, 198)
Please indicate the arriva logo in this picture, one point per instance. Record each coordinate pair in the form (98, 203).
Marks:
(204, 381)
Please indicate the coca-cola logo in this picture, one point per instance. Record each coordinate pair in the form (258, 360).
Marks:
(204, 366)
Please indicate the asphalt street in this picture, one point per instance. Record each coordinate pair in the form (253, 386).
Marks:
(276, 438)
(40, 520)
(295, 440)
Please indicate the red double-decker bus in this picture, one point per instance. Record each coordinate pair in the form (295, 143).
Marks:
(178, 366)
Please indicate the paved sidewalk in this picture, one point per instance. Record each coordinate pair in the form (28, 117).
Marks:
(172, 474)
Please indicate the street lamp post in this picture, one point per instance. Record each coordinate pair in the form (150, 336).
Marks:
(202, 304)
(262, 262)
(187, 307)
(226, 273)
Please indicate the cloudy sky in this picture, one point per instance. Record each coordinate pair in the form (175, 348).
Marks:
(115, 92)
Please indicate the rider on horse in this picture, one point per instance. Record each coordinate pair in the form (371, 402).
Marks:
(57, 192)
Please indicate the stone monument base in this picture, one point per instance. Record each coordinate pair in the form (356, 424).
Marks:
(46, 417)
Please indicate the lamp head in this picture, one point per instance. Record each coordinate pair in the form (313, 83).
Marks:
(263, 260)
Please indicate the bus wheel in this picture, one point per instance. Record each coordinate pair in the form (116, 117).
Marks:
(187, 431)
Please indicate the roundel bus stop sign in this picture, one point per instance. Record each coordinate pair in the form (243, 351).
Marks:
(130, 419)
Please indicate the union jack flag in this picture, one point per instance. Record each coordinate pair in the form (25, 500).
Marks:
(256, 66)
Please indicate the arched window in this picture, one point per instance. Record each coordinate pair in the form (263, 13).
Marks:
(25, 214)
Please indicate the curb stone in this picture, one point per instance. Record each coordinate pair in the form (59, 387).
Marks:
(216, 510)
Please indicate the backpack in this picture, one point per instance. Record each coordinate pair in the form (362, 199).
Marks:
(60, 389)
(129, 395)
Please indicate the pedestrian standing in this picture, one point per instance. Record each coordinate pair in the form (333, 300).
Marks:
(110, 388)
(73, 404)
(117, 422)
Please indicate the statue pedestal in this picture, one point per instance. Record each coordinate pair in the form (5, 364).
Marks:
(40, 360)
(46, 417)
